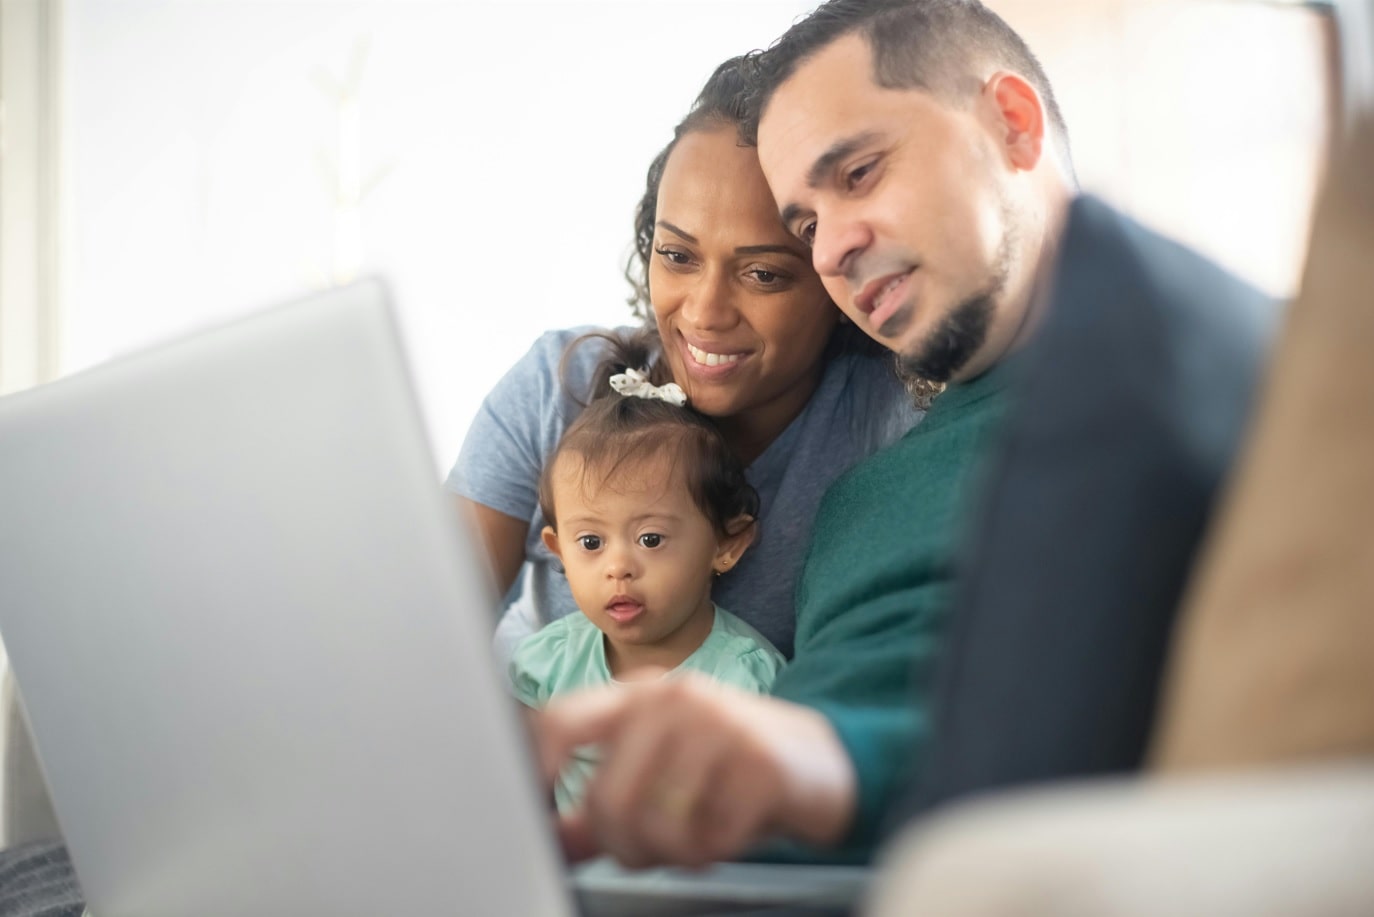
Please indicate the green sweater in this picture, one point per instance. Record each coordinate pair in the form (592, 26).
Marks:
(873, 600)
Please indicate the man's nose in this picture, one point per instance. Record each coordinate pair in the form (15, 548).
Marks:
(838, 241)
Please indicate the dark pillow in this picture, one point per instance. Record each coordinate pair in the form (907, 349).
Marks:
(1134, 397)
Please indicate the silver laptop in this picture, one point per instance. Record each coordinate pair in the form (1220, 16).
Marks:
(253, 644)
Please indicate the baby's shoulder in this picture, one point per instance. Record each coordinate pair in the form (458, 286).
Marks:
(737, 654)
(561, 656)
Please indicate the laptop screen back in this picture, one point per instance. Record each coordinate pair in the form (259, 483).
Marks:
(252, 641)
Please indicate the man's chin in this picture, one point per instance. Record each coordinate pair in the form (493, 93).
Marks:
(898, 332)
(941, 353)
(938, 365)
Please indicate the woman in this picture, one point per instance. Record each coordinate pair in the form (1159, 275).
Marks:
(751, 336)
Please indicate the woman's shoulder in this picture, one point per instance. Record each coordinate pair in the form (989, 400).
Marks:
(550, 348)
(522, 418)
(561, 363)
(550, 381)
(864, 370)
(863, 388)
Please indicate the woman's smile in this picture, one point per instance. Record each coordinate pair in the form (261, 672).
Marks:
(712, 362)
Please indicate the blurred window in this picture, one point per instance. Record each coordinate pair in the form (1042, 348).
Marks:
(487, 158)
(1205, 119)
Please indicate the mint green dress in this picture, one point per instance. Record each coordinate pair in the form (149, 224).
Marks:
(570, 654)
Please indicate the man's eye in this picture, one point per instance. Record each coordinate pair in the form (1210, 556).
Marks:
(651, 540)
(807, 233)
(857, 174)
(589, 542)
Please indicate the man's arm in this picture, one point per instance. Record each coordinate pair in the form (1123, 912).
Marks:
(868, 671)
(694, 772)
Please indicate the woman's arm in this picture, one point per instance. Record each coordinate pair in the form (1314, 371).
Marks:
(502, 536)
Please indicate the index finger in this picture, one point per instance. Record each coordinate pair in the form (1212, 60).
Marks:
(576, 838)
(579, 718)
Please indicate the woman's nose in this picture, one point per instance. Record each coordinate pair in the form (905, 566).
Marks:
(708, 303)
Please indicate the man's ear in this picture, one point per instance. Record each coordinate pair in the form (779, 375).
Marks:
(739, 536)
(550, 538)
(1020, 115)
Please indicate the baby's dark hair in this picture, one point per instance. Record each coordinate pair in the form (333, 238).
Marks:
(614, 431)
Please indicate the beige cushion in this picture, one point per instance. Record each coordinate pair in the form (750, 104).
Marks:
(1274, 660)
(1286, 844)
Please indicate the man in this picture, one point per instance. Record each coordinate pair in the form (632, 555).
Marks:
(917, 148)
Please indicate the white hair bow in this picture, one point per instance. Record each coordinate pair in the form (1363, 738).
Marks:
(635, 383)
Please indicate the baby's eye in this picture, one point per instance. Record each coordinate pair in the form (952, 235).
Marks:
(651, 539)
(589, 542)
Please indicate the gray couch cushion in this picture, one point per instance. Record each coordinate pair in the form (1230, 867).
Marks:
(36, 880)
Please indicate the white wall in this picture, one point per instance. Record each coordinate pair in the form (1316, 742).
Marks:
(510, 140)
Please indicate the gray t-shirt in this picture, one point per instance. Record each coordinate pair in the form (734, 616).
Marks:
(858, 408)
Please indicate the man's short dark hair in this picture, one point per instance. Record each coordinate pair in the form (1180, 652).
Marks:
(932, 45)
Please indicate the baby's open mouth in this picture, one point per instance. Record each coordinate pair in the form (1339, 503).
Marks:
(623, 610)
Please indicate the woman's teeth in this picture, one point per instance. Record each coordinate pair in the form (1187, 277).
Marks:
(712, 359)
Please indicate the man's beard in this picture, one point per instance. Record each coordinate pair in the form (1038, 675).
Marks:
(961, 333)
(948, 348)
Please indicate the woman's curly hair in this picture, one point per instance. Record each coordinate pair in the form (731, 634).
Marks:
(721, 103)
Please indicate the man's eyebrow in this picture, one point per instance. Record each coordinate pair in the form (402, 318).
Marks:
(677, 231)
(815, 176)
(840, 149)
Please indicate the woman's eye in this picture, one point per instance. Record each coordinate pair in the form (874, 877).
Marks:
(589, 542)
(765, 277)
(651, 540)
(673, 256)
